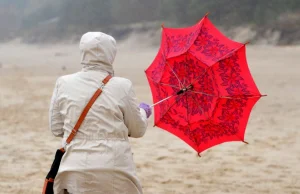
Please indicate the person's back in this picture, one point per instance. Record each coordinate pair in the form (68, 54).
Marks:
(99, 158)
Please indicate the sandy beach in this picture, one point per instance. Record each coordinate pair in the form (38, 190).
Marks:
(165, 164)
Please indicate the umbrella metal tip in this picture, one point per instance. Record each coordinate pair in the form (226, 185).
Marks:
(246, 42)
(162, 25)
(206, 14)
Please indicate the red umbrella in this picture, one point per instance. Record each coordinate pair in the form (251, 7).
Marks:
(201, 86)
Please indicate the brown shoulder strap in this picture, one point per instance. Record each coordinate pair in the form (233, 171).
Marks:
(86, 110)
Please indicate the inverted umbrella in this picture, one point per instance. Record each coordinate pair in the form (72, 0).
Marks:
(201, 86)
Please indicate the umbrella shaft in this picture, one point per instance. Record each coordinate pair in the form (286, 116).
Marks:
(178, 93)
(161, 101)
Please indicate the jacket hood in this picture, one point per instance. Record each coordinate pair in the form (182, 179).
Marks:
(98, 51)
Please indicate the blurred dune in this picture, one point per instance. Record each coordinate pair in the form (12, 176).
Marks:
(165, 164)
(274, 22)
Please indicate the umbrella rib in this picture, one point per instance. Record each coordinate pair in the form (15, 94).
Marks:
(226, 97)
(215, 82)
(172, 86)
(180, 83)
(185, 64)
(229, 54)
(199, 107)
(187, 110)
(246, 96)
(197, 92)
(200, 76)
(213, 112)
(215, 108)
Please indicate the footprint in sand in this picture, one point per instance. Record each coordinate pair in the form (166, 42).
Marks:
(162, 158)
(171, 181)
(252, 159)
(275, 166)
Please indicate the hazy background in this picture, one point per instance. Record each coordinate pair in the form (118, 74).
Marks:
(39, 43)
(260, 21)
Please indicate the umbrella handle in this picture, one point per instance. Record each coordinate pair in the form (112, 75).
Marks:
(161, 101)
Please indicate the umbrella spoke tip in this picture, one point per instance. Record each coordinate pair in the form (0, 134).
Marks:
(162, 25)
(245, 142)
(246, 42)
(199, 155)
(206, 14)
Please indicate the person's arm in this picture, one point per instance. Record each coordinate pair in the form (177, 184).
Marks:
(135, 118)
(55, 119)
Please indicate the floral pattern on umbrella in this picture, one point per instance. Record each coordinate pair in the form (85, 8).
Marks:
(207, 83)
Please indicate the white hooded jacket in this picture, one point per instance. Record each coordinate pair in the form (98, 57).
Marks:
(99, 158)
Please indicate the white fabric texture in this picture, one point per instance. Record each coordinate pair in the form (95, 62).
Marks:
(99, 159)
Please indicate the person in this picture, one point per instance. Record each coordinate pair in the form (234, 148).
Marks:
(99, 158)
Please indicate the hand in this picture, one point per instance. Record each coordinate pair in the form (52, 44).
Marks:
(147, 109)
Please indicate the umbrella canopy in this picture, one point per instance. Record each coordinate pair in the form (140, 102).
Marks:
(203, 85)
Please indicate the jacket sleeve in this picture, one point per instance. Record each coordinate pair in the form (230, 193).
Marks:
(55, 119)
(135, 118)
